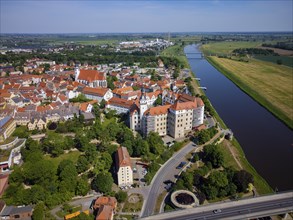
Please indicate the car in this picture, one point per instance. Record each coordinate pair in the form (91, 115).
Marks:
(217, 211)
(181, 165)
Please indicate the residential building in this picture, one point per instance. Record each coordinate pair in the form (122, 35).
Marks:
(7, 127)
(121, 106)
(104, 207)
(97, 93)
(16, 212)
(123, 167)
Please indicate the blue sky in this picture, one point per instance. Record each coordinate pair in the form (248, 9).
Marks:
(49, 16)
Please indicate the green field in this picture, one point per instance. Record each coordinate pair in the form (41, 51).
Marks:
(286, 60)
(178, 52)
(270, 84)
(226, 47)
(73, 156)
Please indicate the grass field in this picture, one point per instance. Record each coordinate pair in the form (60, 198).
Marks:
(221, 48)
(178, 52)
(286, 60)
(73, 156)
(270, 84)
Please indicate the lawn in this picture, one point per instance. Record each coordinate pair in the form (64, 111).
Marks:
(133, 204)
(227, 47)
(178, 52)
(73, 156)
(268, 83)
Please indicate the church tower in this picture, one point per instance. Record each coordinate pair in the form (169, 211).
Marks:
(76, 72)
(143, 104)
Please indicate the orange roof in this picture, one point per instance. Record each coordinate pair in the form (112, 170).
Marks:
(103, 200)
(83, 106)
(159, 110)
(120, 102)
(183, 106)
(63, 98)
(105, 213)
(123, 157)
(95, 91)
(123, 90)
(91, 75)
(156, 93)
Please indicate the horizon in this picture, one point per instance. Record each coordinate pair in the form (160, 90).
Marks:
(187, 16)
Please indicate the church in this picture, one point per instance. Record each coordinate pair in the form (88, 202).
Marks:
(90, 78)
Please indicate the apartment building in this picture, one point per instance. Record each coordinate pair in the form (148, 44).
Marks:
(123, 167)
(7, 127)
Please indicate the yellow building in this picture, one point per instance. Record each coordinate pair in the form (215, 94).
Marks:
(7, 127)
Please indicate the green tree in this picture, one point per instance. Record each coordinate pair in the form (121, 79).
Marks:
(156, 143)
(241, 179)
(103, 163)
(39, 211)
(103, 182)
(82, 187)
(158, 101)
(218, 179)
(214, 155)
(121, 196)
(82, 164)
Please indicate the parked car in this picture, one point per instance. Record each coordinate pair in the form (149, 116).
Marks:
(181, 165)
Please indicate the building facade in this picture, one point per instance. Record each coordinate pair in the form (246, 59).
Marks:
(123, 167)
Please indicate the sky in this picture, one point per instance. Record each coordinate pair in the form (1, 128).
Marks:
(82, 16)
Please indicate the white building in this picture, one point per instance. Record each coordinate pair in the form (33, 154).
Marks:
(123, 167)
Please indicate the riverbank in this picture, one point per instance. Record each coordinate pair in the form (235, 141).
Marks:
(266, 91)
(261, 185)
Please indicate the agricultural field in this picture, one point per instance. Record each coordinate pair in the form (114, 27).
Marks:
(285, 60)
(226, 47)
(268, 83)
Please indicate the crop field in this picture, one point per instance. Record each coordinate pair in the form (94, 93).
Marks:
(270, 84)
(227, 47)
(286, 60)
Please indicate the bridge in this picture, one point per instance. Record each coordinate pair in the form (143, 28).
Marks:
(201, 55)
(256, 207)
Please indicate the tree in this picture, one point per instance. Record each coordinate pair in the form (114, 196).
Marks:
(241, 179)
(103, 163)
(82, 187)
(39, 211)
(155, 142)
(121, 196)
(103, 182)
(214, 155)
(82, 164)
(158, 101)
(218, 179)
(279, 62)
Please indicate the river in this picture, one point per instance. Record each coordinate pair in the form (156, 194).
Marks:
(266, 141)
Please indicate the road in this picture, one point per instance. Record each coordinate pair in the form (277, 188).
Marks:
(242, 209)
(85, 202)
(166, 172)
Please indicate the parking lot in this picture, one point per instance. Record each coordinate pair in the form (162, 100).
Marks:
(139, 171)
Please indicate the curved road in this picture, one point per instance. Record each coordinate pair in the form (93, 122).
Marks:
(242, 209)
(167, 172)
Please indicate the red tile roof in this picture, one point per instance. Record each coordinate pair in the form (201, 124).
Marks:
(95, 91)
(91, 75)
(159, 110)
(120, 102)
(123, 157)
